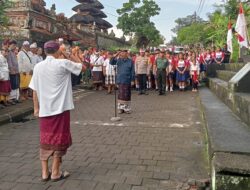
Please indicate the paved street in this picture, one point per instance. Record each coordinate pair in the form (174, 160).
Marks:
(159, 147)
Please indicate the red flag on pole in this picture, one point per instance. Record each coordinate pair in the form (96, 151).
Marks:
(241, 28)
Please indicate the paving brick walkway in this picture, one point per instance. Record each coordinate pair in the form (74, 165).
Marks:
(158, 147)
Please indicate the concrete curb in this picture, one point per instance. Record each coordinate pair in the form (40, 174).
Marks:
(16, 115)
(17, 112)
(228, 139)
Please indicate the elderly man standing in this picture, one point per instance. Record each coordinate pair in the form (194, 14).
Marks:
(53, 100)
(141, 70)
(25, 68)
(125, 76)
(33, 55)
(14, 73)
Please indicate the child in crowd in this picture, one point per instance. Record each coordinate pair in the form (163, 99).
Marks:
(194, 72)
(181, 67)
(109, 73)
(171, 73)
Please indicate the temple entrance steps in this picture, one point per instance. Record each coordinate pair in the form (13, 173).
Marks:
(226, 111)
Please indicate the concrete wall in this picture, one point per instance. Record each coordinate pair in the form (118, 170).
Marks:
(106, 42)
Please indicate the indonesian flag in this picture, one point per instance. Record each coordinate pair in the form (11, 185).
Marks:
(230, 38)
(241, 28)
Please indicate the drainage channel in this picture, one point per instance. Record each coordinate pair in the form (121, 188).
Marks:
(24, 119)
(230, 181)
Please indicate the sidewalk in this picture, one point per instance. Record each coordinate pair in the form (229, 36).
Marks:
(15, 113)
(160, 146)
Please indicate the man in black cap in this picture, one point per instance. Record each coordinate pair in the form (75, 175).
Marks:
(53, 100)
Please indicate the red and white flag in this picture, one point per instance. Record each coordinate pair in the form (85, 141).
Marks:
(230, 38)
(241, 28)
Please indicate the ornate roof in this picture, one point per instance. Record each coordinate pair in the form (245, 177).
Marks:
(84, 19)
(100, 14)
(94, 3)
(89, 12)
(93, 11)
(103, 23)
(84, 6)
(85, 1)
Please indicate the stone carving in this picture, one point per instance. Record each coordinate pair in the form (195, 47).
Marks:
(42, 25)
(53, 10)
(20, 3)
(112, 34)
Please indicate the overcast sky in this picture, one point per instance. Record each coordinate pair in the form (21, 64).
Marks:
(170, 11)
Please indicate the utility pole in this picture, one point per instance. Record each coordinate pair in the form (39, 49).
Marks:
(195, 17)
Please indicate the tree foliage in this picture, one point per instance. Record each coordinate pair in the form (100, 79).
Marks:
(186, 21)
(193, 34)
(214, 31)
(135, 21)
(217, 28)
(4, 4)
(231, 9)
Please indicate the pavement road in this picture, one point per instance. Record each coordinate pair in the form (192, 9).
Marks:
(160, 146)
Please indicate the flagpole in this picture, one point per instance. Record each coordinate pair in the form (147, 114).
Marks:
(239, 57)
(116, 118)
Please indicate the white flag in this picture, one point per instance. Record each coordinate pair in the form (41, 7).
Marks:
(230, 38)
(241, 28)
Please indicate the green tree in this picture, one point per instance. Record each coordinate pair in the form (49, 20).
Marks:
(186, 21)
(193, 34)
(217, 28)
(4, 4)
(135, 21)
(231, 9)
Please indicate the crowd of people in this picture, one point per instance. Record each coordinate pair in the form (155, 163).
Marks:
(158, 70)
(27, 73)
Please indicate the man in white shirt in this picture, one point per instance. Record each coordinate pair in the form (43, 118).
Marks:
(33, 55)
(25, 68)
(97, 62)
(53, 100)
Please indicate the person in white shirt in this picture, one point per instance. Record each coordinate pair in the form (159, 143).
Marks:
(97, 62)
(33, 55)
(5, 86)
(25, 69)
(109, 73)
(194, 72)
(53, 100)
(40, 54)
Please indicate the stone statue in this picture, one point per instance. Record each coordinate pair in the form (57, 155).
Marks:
(123, 38)
(53, 9)
(112, 34)
(30, 23)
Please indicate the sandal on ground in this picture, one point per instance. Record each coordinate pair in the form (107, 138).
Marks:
(46, 179)
(63, 175)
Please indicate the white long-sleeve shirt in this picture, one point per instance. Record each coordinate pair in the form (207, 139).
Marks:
(24, 62)
(34, 59)
(4, 68)
(97, 62)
